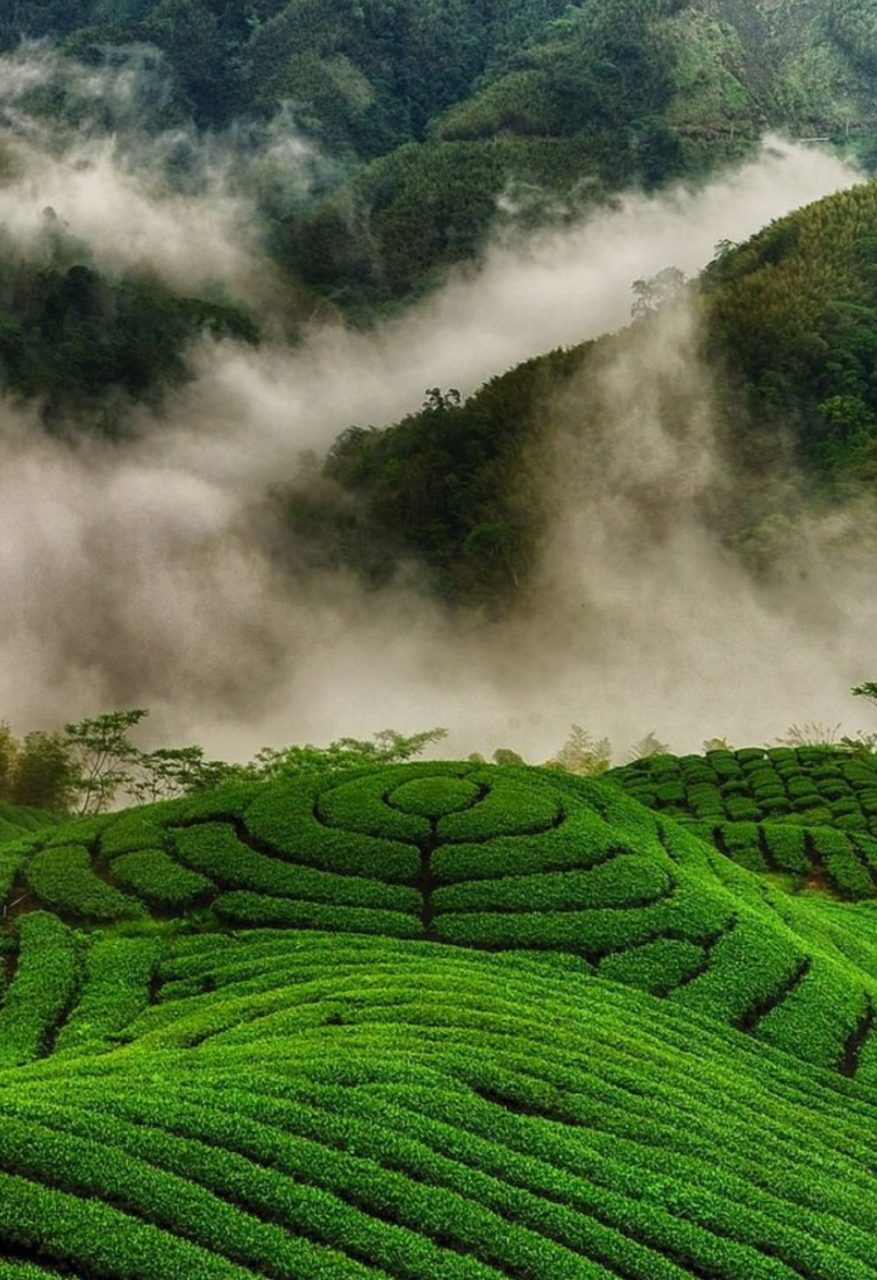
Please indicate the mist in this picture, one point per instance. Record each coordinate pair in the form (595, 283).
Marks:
(138, 575)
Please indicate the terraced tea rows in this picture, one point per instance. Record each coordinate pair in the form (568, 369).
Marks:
(810, 813)
(492, 859)
(312, 1106)
(815, 786)
(403, 1024)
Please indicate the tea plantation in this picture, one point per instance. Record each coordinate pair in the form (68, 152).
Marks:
(446, 1020)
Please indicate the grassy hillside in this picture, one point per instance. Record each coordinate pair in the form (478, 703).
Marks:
(433, 112)
(17, 821)
(428, 1020)
(789, 334)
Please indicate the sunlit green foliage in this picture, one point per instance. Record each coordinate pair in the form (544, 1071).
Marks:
(322, 1107)
(647, 1061)
(498, 859)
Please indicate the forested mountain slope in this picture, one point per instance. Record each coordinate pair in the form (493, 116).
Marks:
(785, 331)
(443, 120)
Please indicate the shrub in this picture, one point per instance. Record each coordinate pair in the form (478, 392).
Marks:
(43, 986)
(63, 879)
(213, 849)
(257, 910)
(655, 966)
(625, 881)
(115, 989)
(837, 854)
(152, 876)
(435, 797)
(787, 845)
(511, 808)
(282, 817)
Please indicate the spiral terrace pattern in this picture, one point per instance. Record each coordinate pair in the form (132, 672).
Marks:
(428, 1021)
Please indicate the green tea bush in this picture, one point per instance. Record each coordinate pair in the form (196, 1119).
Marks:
(131, 834)
(583, 840)
(742, 810)
(817, 1019)
(282, 817)
(63, 879)
(497, 860)
(775, 808)
(625, 881)
(44, 984)
(837, 854)
(655, 966)
(115, 989)
(257, 910)
(850, 822)
(12, 859)
(325, 1105)
(434, 797)
(734, 786)
(787, 845)
(84, 831)
(588, 932)
(509, 809)
(360, 806)
(801, 787)
(214, 850)
(866, 847)
(749, 966)
(152, 876)
(741, 841)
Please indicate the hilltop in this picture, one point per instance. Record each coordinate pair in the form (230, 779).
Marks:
(442, 1019)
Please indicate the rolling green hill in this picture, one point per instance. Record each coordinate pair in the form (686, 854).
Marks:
(436, 1019)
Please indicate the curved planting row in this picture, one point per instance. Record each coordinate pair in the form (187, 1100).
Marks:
(814, 786)
(840, 862)
(318, 1107)
(476, 857)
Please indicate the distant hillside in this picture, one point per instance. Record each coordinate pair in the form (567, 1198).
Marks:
(789, 332)
(438, 114)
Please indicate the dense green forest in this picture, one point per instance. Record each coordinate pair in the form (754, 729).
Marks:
(789, 332)
(443, 120)
(87, 344)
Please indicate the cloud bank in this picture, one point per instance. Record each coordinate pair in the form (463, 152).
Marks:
(140, 576)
